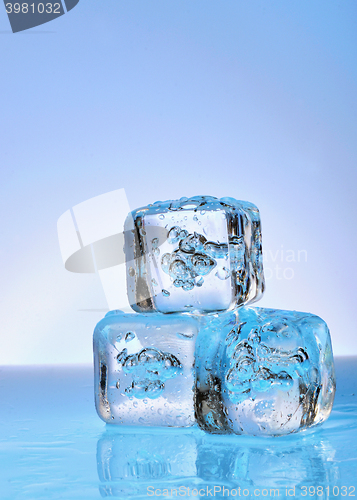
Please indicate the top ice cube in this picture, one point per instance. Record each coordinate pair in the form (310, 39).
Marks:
(199, 254)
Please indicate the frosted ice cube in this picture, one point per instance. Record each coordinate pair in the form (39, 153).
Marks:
(144, 369)
(263, 372)
(199, 254)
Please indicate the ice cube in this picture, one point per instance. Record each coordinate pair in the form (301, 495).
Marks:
(144, 369)
(199, 254)
(263, 372)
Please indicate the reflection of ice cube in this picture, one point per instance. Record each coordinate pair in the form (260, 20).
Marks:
(144, 369)
(263, 371)
(133, 459)
(208, 259)
(286, 463)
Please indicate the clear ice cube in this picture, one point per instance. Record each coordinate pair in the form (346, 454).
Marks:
(263, 372)
(144, 369)
(199, 254)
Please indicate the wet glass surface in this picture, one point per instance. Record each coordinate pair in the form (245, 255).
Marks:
(54, 446)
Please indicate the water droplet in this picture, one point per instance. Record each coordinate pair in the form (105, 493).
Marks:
(223, 273)
(131, 271)
(129, 336)
(165, 293)
(117, 385)
(165, 262)
(200, 282)
(135, 404)
(195, 217)
(161, 216)
(203, 212)
(154, 282)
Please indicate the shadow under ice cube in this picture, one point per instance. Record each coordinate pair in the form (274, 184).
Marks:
(143, 367)
(199, 254)
(263, 372)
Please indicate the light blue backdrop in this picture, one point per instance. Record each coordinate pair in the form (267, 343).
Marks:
(169, 98)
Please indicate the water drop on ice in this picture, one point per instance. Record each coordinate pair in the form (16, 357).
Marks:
(129, 336)
(223, 273)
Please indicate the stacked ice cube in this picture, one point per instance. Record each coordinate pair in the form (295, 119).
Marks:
(194, 351)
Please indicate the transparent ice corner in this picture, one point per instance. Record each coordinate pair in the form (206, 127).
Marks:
(199, 254)
(144, 369)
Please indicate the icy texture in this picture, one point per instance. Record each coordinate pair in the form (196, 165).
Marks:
(263, 372)
(143, 367)
(199, 254)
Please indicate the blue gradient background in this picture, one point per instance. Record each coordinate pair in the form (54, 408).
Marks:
(169, 98)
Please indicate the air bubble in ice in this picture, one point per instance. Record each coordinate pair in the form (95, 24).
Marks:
(149, 369)
(188, 285)
(256, 367)
(195, 256)
(173, 234)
